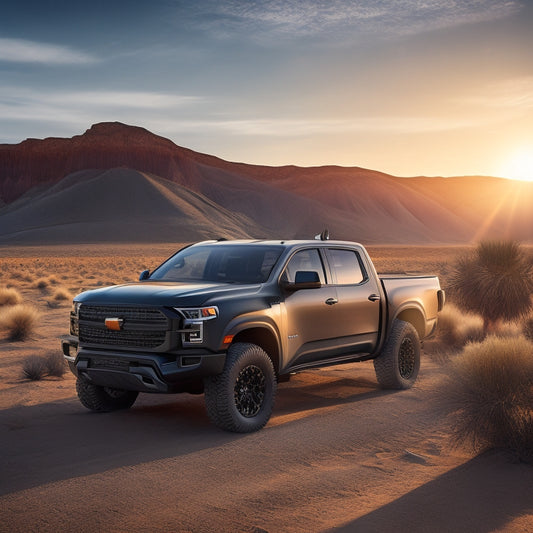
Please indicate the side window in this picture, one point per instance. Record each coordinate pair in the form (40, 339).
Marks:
(307, 260)
(347, 266)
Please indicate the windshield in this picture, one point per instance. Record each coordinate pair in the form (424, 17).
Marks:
(220, 263)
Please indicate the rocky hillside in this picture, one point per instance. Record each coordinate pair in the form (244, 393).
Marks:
(147, 188)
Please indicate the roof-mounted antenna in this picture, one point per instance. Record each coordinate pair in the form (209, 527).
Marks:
(324, 236)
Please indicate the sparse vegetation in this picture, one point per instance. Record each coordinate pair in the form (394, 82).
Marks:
(490, 390)
(42, 284)
(55, 364)
(19, 321)
(61, 294)
(527, 327)
(456, 328)
(9, 296)
(495, 281)
(34, 368)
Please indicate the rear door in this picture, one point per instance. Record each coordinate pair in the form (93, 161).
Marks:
(358, 308)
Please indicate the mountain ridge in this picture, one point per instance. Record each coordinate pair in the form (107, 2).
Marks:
(242, 199)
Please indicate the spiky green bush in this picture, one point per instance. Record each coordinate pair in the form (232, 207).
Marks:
(495, 281)
(490, 390)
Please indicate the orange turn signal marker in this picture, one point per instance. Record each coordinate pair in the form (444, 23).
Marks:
(114, 324)
(228, 339)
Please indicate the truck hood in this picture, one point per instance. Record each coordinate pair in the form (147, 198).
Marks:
(170, 294)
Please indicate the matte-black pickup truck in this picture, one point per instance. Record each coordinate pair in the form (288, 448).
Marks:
(233, 318)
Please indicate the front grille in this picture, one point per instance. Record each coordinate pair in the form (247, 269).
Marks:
(142, 327)
(143, 315)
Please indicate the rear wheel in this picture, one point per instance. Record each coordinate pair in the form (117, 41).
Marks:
(242, 397)
(104, 399)
(398, 364)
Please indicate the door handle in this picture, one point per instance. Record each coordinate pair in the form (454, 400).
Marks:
(374, 297)
(332, 301)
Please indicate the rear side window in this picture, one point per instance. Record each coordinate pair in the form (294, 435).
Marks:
(347, 266)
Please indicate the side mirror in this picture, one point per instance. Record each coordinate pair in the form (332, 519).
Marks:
(145, 274)
(304, 279)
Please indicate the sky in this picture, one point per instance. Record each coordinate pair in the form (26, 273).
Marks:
(407, 87)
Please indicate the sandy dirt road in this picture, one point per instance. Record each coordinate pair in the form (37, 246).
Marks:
(338, 454)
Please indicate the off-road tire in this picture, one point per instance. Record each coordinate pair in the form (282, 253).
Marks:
(104, 399)
(398, 364)
(242, 397)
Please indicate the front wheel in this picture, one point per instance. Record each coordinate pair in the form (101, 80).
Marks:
(242, 397)
(398, 363)
(104, 399)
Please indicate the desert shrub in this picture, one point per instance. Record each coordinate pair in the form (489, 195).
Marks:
(527, 327)
(19, 321)
(42, 284)
(495, 281)
(61, 294)
(490, 390)
(55, 364)
(22, 276)
(9, 296)
(456, 328)
(34, 367)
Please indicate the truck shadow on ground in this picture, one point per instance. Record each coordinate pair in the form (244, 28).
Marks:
(485, 494)
(58, 440)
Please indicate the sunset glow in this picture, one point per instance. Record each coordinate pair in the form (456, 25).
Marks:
(520, 165)
(433, 88)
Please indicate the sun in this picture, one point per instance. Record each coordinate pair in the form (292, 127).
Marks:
(520, 165)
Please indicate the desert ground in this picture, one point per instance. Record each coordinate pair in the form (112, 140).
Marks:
(338, 454)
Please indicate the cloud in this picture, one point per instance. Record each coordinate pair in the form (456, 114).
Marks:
(341, 19)
(23, 51)
(288, 128)
(82, 108)
(509, 94)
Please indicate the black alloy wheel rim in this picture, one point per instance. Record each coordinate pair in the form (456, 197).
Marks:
(406, 358)
(250, 389)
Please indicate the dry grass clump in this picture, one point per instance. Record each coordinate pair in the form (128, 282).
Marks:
(22, 276)
(527, 328)
(36, 367)
(456, 328)
(55, 364)
(42, 284)
(490, 389)
(19, 321)
(61, 294)
(9, 296)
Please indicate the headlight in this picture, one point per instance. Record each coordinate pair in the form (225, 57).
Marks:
(74, 318)
(193, 325)
(198, 313)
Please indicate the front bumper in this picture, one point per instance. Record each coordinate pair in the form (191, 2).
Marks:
(143, 372)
